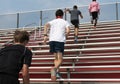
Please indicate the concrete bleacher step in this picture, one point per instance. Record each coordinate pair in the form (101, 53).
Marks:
(95, 71)
(81, 45)
(78, 51)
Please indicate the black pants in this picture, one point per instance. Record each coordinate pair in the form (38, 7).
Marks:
(75, 23)
(7, 79)
(94, 15)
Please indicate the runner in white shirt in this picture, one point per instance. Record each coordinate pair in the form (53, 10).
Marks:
(59, 30)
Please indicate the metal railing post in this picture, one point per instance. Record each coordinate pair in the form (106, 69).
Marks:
(35, 33)
(17, 20)
(65, 15)
(40, 18)
(116, 11)
(40, 26)
(68, 74)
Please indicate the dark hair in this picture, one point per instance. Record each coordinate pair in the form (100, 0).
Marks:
(21, 36)
(59, 12)
(75, 7)
(93, 0)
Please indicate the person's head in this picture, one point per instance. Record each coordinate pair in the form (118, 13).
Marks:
(93, 0)
(21, 37)
(74, 7)
(59, 12)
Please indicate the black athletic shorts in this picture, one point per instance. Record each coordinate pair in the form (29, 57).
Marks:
(56, 47)
(94, 15)
(75, 23)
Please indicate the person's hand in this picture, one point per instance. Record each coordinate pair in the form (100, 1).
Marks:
(66, 35)
(67, 9)
(45, 40)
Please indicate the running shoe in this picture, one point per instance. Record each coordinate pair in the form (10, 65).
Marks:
(58, 75)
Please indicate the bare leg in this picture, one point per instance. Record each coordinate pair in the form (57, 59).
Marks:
(58, 59)
(76, 31)
(76, 34)
(57, 62)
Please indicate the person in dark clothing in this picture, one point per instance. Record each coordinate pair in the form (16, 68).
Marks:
(75, 13)
(15, 58)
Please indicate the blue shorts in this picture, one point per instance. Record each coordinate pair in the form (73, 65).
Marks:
(56, 47)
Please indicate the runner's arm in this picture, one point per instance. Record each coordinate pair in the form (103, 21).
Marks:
(45, 31)
(25, 74)
(67, 31)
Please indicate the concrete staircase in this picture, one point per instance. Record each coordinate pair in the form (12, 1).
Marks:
(96, 56)
(95, 59)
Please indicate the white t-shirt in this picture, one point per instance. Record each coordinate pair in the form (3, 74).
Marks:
(57, 30)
